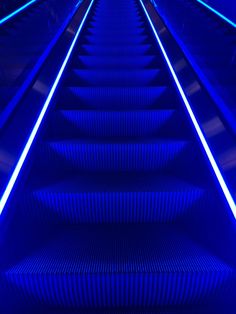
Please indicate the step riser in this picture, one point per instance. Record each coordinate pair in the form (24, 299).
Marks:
(116, 19)
(108, 41)
(113, 24)
(113, 207)
(114, 157)
(77, 124)
(104, 63)
(122, 52)
(121, 290)
(116, 78)
(116, 98)
(115, 32)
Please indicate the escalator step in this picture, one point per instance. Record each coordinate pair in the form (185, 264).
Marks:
(121, 51)
(117, 98)
(109, 62)
(147, 77)
(109, 198)
(78, 155)
(108, 266)
(108, 124)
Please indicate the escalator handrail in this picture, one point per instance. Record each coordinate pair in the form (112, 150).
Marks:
(15, 13)
(41, 92)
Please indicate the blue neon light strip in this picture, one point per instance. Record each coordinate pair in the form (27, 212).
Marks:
(78, 3)
(39, 120)
(208, 152)
(217, 13)
(8, 17)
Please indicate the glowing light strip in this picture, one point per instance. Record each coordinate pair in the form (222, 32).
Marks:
(217, 13)
(78, 3)
(209, 154)
(8, 17)
(34, 131)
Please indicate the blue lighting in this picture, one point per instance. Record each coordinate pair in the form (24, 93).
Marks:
(208, 152)
(217, 13)
(78, 3)
(39, 120)
(8, 17)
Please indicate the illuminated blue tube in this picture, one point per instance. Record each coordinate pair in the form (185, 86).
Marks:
(200, 134)
(8, 17)
(39, 120)
(217, 13)
(78, 3)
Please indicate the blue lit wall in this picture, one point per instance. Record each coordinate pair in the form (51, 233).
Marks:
(225, 7)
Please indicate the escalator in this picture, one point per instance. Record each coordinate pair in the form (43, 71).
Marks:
(25, 41)
(119, 211)
(209, 43)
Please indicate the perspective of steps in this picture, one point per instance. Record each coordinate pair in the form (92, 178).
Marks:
(119, 211)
